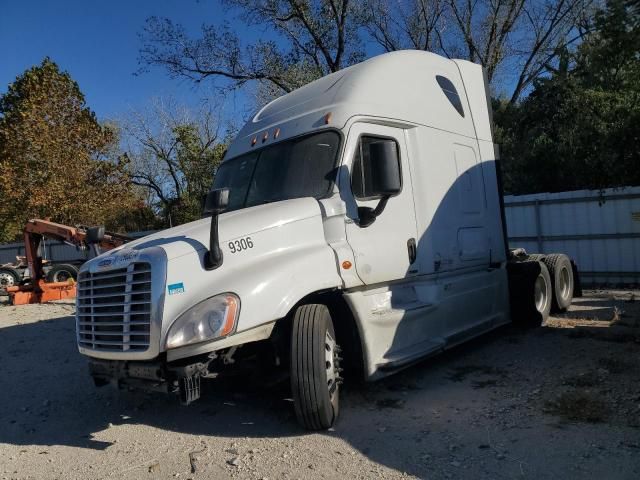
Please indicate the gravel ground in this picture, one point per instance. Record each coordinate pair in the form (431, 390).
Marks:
(562, 401)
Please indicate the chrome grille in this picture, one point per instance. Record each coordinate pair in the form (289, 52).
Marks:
(114, 309)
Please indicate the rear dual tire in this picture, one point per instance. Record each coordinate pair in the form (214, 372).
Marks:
(315, 370)
(542, 294)
(562, 281)
(530, 293)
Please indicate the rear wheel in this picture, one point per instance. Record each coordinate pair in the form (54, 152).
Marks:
(8, 278)
(542, 292)
(315, 367)
(530, 293)
(62, 273)
(562, 281)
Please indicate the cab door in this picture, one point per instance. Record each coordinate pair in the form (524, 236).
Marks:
(385, 249)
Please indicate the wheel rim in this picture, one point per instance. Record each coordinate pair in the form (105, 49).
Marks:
(330, 355)
(565, 283)
(541, 293)
(61, 276)
(6, 279)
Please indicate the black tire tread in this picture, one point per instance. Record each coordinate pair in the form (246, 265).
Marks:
(544, 271)
(311, 401)
(522, 276)
(551, 262)
(62, 266)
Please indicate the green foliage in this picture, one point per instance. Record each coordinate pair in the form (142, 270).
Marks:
(197, 166)
(172, 154)
(610, 58)
(579, 128)
(54, 155)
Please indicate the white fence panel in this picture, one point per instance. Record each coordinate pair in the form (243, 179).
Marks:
(600, 230)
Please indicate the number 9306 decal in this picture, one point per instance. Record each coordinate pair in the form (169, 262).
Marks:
(236, 246)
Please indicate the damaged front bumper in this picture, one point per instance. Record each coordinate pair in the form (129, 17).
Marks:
(180, 378)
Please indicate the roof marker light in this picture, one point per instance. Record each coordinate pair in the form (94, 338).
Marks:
(276, 134)
(327, 118)
(265, 137)
(254, 141)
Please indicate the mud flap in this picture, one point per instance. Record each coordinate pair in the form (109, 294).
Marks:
(577, 285)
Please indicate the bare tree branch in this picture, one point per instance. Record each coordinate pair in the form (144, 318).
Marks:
(515, 39)
(321, 37)
(172, 153)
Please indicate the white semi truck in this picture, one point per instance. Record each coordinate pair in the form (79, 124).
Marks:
(355, 223)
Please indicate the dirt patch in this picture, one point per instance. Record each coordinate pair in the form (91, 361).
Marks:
(579, 405)
(605, 386)
(584, 379)
(491, 382)
(616, 365)
(390, 403)
(460, 373)
(554, 402)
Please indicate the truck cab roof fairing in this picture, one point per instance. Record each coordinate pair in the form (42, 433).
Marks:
(397, 85)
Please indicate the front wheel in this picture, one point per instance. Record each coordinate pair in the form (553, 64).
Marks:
(315, 367)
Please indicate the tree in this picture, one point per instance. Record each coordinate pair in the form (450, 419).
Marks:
(412, 24)
(54, 155)
(311, 38)
(515, 40)
(566, 78)
(610, 58)
(172, 154)
(579, 127)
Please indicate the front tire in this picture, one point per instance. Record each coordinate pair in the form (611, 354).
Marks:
(315, 370)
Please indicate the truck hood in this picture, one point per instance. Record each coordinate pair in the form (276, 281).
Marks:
(194, 236)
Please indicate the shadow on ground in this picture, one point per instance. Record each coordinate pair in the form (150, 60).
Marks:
(435, 409)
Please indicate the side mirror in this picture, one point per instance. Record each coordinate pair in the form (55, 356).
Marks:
(379, 176)
(215, 204)
(95, 234)
(384, 169)
(216, 201)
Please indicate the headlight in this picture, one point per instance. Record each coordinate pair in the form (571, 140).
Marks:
(212, 318)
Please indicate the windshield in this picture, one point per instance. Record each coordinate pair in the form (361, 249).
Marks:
(296, 168)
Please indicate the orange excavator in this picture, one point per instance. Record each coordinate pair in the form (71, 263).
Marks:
(38, 290)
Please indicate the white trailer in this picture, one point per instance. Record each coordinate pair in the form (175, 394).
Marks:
(359, 216)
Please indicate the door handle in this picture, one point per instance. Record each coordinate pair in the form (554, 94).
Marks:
(412, 250)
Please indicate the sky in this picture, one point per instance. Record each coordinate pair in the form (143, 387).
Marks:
(97, 42)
